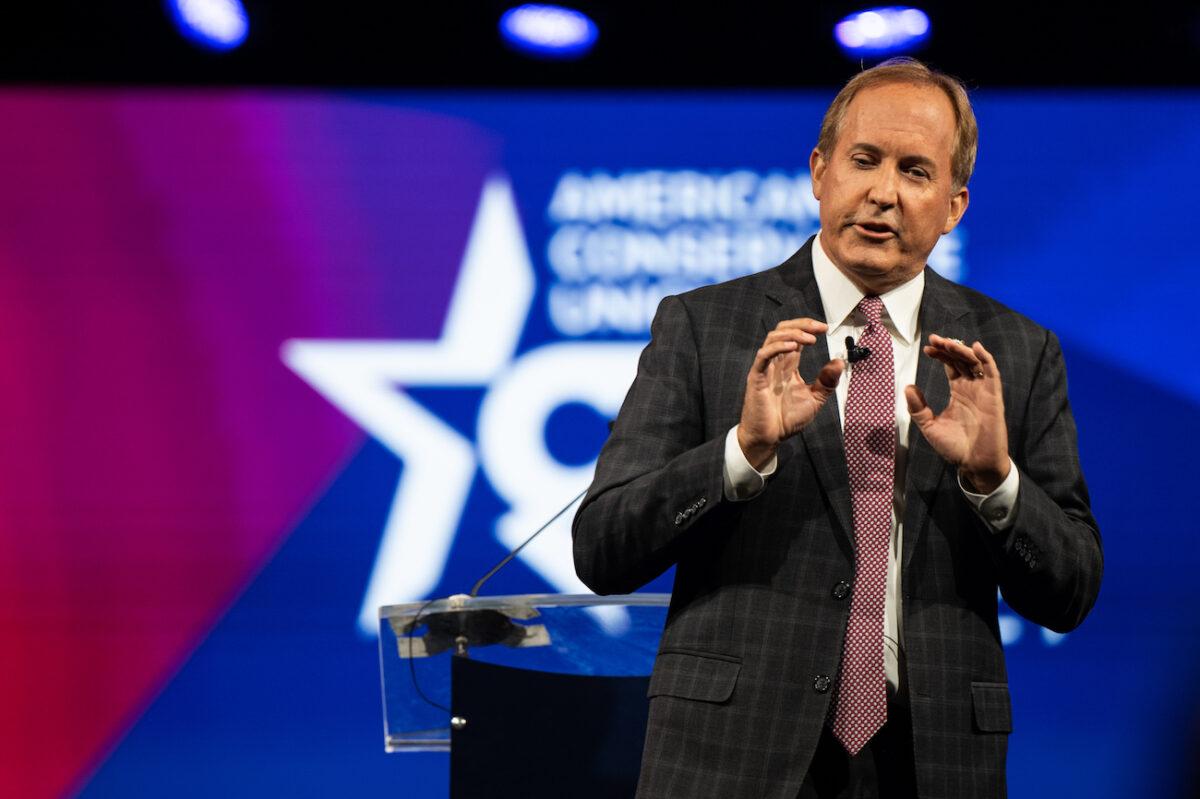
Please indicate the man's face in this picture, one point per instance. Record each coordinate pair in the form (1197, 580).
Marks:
(886, 191)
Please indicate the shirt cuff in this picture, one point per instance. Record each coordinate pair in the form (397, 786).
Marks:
(997, 508)
(743, 481)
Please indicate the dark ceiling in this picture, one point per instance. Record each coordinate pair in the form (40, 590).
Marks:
(451, 43)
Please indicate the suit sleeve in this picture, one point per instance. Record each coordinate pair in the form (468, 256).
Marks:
(658, 477)
(1050, 561)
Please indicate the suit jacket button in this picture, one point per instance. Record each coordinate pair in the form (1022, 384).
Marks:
(841, 590)
(822, 684)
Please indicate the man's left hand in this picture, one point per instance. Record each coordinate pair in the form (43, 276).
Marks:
(970, 433)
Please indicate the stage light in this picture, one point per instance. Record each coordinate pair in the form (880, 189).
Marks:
(882, 31)
(548, 31)
(215, 24)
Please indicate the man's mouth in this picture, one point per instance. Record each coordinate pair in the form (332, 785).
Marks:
(876, 231)
(875, 228)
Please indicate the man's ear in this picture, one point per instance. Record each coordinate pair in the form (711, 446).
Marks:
(958, 207)
(816, 166)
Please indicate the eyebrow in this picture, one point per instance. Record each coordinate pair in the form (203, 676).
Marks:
(920, 160)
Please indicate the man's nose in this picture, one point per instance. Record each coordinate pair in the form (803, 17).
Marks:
(884, 188)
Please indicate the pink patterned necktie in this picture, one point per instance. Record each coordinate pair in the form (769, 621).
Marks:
(870, 437)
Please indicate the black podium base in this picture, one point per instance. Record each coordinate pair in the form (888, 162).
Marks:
(536, 735)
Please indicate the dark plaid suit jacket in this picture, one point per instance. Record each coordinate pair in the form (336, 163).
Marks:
(741, 684)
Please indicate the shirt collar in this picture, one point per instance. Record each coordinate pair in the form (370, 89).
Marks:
(840, 296)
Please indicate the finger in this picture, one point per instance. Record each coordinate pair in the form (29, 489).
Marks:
(955, 349)
(952, 352)
(791, 334)
(788, 363)
(986, 361)
(762, 358)
(952, 345)
(827, 379)
(804, 323)
(954, 367)
(918, 408)
(959, 350)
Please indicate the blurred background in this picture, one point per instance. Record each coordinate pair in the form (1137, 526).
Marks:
(265, 266)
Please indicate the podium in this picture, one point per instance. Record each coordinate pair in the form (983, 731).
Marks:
(540, 695)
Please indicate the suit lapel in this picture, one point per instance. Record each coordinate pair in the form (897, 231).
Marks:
(794, 295)
(942, 311)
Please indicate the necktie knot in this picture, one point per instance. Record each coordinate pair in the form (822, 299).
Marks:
(871, 307)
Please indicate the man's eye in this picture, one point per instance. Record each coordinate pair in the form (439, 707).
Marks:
(860, 160)
(917, 172)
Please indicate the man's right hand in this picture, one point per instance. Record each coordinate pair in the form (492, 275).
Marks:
(778, 402)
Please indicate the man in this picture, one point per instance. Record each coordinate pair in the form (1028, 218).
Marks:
(840, 525)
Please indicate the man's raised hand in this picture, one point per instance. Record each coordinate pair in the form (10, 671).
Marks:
(970, 433)
(778, 403)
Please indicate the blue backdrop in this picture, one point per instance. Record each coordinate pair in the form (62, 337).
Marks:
(512, 243)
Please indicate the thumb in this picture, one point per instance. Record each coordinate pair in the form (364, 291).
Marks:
(827, 379)
(918, 409)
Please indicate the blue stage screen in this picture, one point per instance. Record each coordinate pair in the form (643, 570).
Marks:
(282, 357)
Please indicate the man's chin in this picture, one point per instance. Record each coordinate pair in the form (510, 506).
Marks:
(876, 275)
(868, 267)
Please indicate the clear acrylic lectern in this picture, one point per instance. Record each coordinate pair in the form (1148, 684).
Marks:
(534, 697)
(561, 634)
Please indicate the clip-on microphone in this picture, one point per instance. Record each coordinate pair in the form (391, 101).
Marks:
(855, 353)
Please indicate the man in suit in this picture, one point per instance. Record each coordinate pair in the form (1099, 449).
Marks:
(841, 515)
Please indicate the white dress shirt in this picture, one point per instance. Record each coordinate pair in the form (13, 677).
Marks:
(840, 298)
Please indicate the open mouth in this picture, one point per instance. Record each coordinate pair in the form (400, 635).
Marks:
(874, 230)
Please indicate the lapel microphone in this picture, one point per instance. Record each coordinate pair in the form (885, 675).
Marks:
(855, 353)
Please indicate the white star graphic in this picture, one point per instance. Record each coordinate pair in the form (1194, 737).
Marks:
(362, 378)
